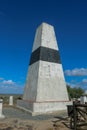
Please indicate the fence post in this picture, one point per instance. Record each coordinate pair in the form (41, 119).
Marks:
(75, 116)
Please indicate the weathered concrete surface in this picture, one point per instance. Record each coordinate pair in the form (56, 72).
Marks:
(83, 99)
(45, 89)
(45, 82)
(1, 109)
(11, 100)
(39, 108)
(45, 36)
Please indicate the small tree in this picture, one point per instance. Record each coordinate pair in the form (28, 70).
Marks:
(75, 92)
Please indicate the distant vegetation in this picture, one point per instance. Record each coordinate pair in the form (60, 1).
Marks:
(75, 92)
(5, 97)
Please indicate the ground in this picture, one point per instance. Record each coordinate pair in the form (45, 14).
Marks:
(17, 124)
(16, 119)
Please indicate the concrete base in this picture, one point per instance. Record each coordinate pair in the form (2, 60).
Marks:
(2, 116)
(38, 108)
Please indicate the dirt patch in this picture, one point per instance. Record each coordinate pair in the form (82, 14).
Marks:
(18, 124)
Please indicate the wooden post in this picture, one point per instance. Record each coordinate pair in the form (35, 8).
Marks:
(75, 116)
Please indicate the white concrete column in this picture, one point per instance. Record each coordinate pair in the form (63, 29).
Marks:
(1, 106)
(11, 100)
(83, 99)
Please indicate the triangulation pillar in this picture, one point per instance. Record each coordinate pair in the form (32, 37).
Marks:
(45, 90)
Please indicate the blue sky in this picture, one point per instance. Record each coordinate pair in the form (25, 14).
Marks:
(18, 22)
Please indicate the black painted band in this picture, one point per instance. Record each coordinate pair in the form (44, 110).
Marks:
(45, 54)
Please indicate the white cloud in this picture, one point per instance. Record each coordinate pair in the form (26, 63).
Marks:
(82, 83)
(84, 80)
(12, 89)
(9, 86)
(76, 72)
(1, 78)
(9, 82)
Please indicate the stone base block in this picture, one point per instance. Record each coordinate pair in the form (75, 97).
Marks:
(2, 116)
(37, 108)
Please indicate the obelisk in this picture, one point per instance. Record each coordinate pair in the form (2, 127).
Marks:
(45, 89)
